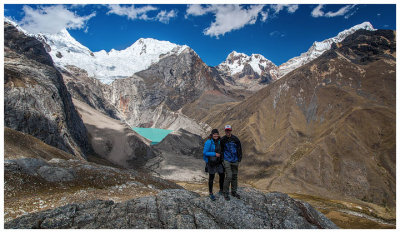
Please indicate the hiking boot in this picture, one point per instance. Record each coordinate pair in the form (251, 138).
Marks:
(236, 195)
(226, 196)
(212, 197)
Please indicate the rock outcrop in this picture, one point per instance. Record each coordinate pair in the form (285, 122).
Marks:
(182, 209)
(36, 100)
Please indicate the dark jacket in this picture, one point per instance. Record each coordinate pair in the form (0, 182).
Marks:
(231, 149)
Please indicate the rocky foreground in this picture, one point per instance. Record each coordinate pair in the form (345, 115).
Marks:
(179, 208)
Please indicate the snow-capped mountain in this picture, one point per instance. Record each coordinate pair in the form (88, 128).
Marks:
(235, 63)
(247, 70)
(105, 66)
(318, 48)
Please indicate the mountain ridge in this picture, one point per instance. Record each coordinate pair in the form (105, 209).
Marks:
(118, 63)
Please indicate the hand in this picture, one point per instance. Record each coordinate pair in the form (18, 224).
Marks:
(217, 154)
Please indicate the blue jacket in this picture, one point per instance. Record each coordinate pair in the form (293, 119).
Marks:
(231, 149)
(209, 149)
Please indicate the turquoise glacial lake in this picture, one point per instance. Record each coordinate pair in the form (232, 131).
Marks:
(153, 134)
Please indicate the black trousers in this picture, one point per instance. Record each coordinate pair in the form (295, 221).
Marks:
(211, 182)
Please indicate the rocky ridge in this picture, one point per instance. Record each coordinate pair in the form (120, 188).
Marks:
(182, 209)
(318, 48)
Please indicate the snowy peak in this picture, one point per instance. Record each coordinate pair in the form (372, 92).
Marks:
(105, 66)
(236, 62)
(108, 66)
(318, 48)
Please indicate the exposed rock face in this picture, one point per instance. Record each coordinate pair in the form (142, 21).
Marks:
(182, 209)
(36, 99)
(327, 128)
(152, 97)
(89, 90)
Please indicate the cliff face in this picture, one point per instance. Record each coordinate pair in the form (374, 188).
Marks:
(89, 90)
(36, 100)
(182, 209)
(153, 97)
(328, 127)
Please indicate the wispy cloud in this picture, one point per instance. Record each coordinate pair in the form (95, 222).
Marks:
(197, 10)
(131, 12)
(142, 13)
(227, 17)
(52, 19)
(276, 34)
(234, 17)
(291, 8)
(318, 12)
(165, 16)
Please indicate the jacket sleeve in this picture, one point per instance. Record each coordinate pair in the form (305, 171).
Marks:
(239, 149)
(207, 146)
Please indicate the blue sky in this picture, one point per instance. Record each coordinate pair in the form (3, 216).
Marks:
(278, 32)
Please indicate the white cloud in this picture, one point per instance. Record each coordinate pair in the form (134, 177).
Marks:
(317, 12)
(52, 19)
(197, 10)
(132, 12)
(264, 16)
(291, 8)
(227, 17)
(164, 16)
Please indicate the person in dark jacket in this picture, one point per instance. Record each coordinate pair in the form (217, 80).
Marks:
(231, 150)
(213, 159)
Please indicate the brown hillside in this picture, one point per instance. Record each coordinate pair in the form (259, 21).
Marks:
(328, 127)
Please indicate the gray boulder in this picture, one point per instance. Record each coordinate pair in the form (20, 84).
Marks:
(56, 174)
(182, 209)
(30, 165)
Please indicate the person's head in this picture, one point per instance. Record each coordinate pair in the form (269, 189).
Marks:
(215, 134)
(228, 130)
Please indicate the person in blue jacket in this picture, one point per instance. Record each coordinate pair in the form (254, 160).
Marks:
(231, 150)
(213, 159)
